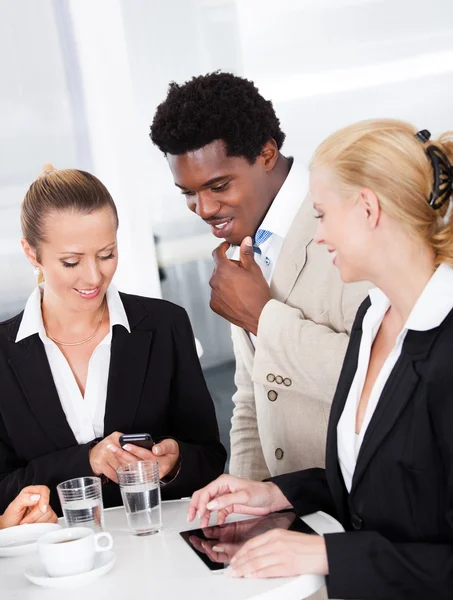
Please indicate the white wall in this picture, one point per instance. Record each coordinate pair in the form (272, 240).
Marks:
(324, 63)
(66, 97)
(81, 80)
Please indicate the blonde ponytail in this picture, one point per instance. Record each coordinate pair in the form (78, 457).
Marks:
(442, 238)
(389, 157)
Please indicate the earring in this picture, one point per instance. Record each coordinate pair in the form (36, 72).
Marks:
(36, 271)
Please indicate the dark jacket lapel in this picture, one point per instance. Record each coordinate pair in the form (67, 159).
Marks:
(334, 476)
(29, 362)
(128, 366)
(293, 255)
(396, 394)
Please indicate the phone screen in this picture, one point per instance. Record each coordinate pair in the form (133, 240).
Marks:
(232, 536)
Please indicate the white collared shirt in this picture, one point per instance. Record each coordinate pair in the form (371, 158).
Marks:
(279, 219)
(431, 308)
(85, 414)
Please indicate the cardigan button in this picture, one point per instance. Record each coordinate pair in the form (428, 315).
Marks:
(279, 379)
(272, 395)
(287, 381)
(279, 454)
(271, 377)
(357, 522)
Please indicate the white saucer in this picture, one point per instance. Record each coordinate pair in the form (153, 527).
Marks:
(104, 561)
(15, 541)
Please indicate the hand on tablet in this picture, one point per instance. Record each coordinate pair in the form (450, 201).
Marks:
(224, 542)
(228, 494)
(279, 553)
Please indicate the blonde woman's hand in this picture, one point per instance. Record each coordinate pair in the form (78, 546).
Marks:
(228, 494)
(30, 506)
(280, 553)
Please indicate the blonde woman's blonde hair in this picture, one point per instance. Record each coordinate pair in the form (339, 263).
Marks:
(385, 156)
(58, 190)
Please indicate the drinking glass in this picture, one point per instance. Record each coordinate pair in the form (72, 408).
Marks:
(140, 491)
(81, 502)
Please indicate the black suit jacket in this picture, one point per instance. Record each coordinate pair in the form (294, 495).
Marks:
(399, 514)
(155, 386)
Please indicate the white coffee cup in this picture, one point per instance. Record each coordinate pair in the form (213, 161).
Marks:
(71, 551)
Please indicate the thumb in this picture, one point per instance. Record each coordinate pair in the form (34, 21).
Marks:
(247, 258)
(168, 446)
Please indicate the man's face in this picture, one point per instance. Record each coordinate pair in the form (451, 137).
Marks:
(227, 192)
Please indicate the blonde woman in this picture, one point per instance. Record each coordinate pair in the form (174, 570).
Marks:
(84, 363)
(382, 192)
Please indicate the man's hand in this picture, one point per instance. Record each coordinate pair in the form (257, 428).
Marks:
(239, 291)
(30, 506)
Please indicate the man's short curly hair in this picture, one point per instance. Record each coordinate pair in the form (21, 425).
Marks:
(216, 106)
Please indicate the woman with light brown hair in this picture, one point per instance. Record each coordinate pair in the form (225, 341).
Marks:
(382, 192)
(84, 363)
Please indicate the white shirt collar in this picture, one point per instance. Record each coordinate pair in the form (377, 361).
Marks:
(287, 202)
(32, 318)
(432, 306)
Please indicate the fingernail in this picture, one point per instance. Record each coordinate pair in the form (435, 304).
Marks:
(156, 449)
(233, 559)
(127, 447)
(35, 497)
(218, 549)
(248, 241)
(44, 508)
(112, 447)
(212, 505)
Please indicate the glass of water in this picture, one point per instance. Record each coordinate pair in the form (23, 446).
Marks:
(81, 502)
(140, 490)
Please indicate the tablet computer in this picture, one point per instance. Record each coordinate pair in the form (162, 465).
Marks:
(231, 536)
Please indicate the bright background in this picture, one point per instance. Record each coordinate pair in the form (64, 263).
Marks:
(81, 79)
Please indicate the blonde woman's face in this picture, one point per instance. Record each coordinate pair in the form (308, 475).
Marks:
(79, 257)
(341, 226)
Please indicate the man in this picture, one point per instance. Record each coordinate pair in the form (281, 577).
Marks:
(290, 312)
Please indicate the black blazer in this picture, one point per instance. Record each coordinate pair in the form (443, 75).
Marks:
(399, 514)
(155, 386)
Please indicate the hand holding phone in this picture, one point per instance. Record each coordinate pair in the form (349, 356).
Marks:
(165, 452)
(142, 440)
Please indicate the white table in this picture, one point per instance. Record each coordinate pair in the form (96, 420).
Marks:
(157, 567)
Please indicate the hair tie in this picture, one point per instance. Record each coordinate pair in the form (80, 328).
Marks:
(443, 172)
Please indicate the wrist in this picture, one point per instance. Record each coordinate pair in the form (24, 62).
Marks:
(278, 499)
(254, 319)
(2, 522)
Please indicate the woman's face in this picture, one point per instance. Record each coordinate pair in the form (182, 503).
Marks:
(343, 225)
(78, 258)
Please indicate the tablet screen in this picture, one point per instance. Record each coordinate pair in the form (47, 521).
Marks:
(231, 536)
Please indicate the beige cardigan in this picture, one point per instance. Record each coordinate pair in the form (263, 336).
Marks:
(285, 385)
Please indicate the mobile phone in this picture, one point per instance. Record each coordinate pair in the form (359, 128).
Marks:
(143, 440)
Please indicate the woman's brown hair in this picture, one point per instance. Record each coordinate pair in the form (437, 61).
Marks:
(58, 190)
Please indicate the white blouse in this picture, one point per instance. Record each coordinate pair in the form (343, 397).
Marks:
(85, 414)
(431, 308)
